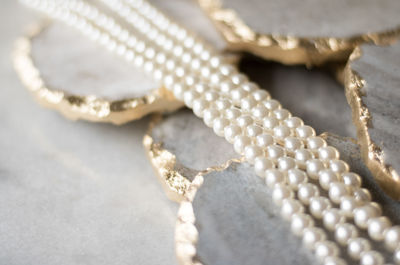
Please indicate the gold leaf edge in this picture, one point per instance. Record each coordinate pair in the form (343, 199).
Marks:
(91, 107)
(288, 49)
(371, 153)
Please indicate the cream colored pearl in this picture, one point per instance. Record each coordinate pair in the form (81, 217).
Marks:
(253, 130)
(302, 156)
(315, 142)
(392, 237)
(362, 195)
(231, 131)
(179, 89)
(292, 143)
(314, 166)
(249, 86)
(270, 122)
(357, 246)
(238, 78)
(305, 131)
(274, 152)
(371, 258)
(299, 222)
(348, 204)
(281, 131)
(244, 121)
(281, 114)
(327, 153)
(261, 165)
(306, 192)
(232, 114)
(326, 178)
(210, 115)
(286, 163)
(260, 95)
(324, 249)
(240, 143)
(396, 256)
(291, 207)
(264, 140)
(345, 232)
(338, 166)
(274, 176)
(248, 103)
(312, 235)
(189, 96)
(259, 112)
(318, 205)
(219, 125)
(337, 190)
(334, 261)
(293, 122)
(281, 192)
(351, 179)
(377, 227)
(364, 213)
(199, 105)
(237, 94)
(296, 177)
(251, 152)
(222, 104)
(272, 104)
(332, 217)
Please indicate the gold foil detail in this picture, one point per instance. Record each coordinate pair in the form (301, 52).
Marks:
(371, 153)
(91, 107)
(287, 49)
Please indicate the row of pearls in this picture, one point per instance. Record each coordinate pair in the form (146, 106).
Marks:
(336, 191)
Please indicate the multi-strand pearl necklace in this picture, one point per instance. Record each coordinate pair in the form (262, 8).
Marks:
(284, 151)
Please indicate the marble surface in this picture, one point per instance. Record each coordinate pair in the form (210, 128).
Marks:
(73, 192)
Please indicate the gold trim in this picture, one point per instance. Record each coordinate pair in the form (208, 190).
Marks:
(287, 49)
(371, 153)
(89, 108)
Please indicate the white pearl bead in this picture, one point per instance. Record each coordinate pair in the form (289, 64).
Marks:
(210, 115)
(232, 114)
(274, 176)
(264, 140)
(201, 88)
(327, 153)
(286, 163)
(334, 261)
(338, 166)
(293, 122)
(324, 249)
(275, 151)
(337, 190)
(300, 221)
(314, 166)
(238, 94)
(251, 152)
(240, 143)
(253, 130)
(261, 165)
(371, 258)
(210, 96)
(396, 256)
(280, 192)
(199, 105)
(357, 246)
(377, 227)
(260, 95)
(239, 78)
(318, 205)
(315, 142)
(302, 156)
(219, 125)
(326, 178)
(281, 131)
(392, 237)
(305, 131)
(226, 87)
(306, 192)
(231, 131)
(270, 122)
(345, 232)
(296, 177)
(259, 112)
(189, 97)
(272, 104)
(312, 235)
(216, 78)
(244, 121)
(290, 207)
(222, 104)
(281, 114)
(247, 103)
(364, 213)
(351, 179)
(362, 195)
(291, 143)
(348, 204)
(332, 217)
(179, 89)
(226, 69)
(249, 86)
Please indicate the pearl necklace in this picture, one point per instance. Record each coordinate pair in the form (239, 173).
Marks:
(284, 151)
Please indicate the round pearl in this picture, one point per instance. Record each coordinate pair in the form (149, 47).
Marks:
(324, 249)
(291, 207)
(357, 246)
(247, 104)
(296, 177)
(280, 192)
(281, 131)
(270, 122)
(226, 87)
(362, 195)
(189, 97)
(396, 256)
(272, 104)
(249, 86)
(377, 227)
(261, 165)
(240, 143)
(210, 96)
(259, 112)
(300, 221)
(315, 142)
(286, 163)
(281, 114)
(348, 204)
(312, 235)
(305, 131)
(264, 140)
(313, 167)
(244, 121)
(302, 156)
(179, 89)
(274, 152)
(231, 131)
(219, 125)
(222, 104)
(392, 237)
(318, 205)
(239, 78)
(364, 213)
(199, 105)
(260, 95)
(334, 261)
(253, 130)
(338, 166)
(351, 179)
(291, 143)
(327, 177)
(274, 176)
(209, 115)
(332, 217)
(345, 232)
(232, 114)
(306, 192)
(251, 152)
(226, 69)
(293, 122)
(327, 153)
(337, 190)
(371, 258)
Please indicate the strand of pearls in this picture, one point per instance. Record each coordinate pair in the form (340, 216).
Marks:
(223, 127)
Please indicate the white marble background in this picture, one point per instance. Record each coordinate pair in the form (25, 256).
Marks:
(73, 192)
